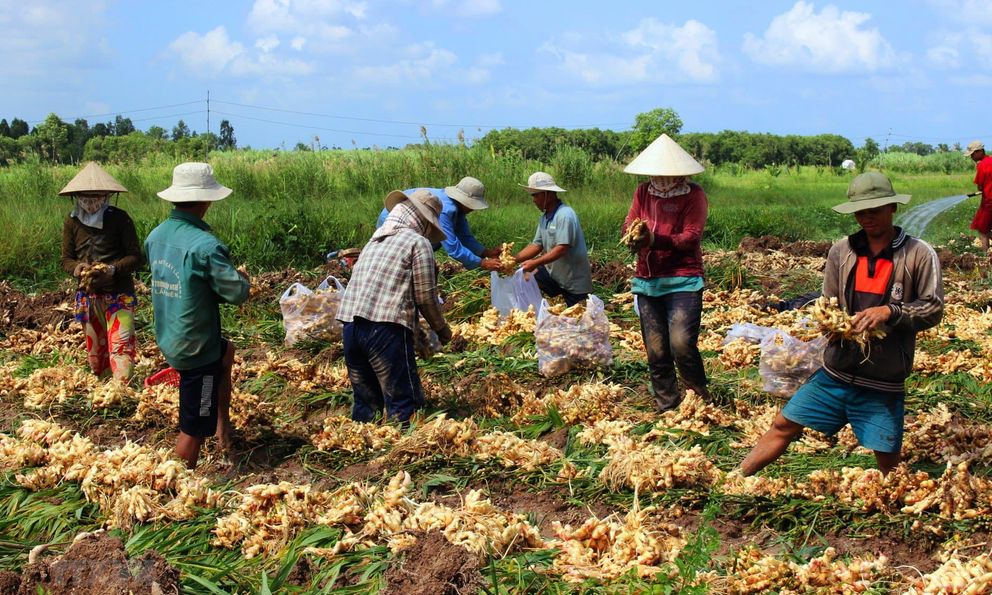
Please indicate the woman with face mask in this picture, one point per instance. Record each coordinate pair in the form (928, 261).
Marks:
(670, 213)
(100, 248)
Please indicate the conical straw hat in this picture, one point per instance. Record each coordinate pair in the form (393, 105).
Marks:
(92, 178)
(664, 157)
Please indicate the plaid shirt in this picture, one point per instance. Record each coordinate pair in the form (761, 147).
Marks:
(393, 278)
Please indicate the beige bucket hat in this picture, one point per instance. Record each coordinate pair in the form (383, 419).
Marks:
(428, 205)
(470, 192)
(194, 182)
(664, 157)
(542, 182)
(92, 178)
(975, 145)
(870, 190)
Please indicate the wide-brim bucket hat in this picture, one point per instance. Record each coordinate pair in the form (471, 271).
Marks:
(664, 157)
(469, 192)
(540, 181)
(194, 182)
(868, 191)
(428, 205)
(975, 145)
(92, 178)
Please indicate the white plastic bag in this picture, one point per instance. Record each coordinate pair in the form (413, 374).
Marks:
(786, 362)
(518, 291)
(750, 332)
(564, 342)
(311, 313)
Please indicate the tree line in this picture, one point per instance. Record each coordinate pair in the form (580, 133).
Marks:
(57, 141)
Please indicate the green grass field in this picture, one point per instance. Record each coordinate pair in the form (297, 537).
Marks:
(292, 208)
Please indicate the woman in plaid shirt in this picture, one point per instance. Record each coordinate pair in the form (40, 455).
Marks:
(393, 279)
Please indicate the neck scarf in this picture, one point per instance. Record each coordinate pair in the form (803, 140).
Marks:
(403, 216)
(668, 186)
(89, 210)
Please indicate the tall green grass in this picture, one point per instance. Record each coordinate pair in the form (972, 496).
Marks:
(289, 209)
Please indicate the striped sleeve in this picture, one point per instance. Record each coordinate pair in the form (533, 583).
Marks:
(927, 309)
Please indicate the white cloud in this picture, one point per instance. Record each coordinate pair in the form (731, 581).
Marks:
(214, 54)
(830, 42)
(298, 43)
(972, 80)
(943, 56)
(477, 75)
(969, 48)
(488, 60)
(50, 41)
(326, 23)
(267, 44)
(651, 52)
(470, 8)
(971, 12)
(423, 65)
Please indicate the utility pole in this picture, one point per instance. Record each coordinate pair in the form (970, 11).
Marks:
(208, 110)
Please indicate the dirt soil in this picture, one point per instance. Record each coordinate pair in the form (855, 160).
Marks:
(19, 310)
(962, 262)
(612, 274)
(98, 565)
(765, 244)
(433, 566)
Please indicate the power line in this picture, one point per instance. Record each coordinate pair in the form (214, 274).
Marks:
(122, 112)
(324, 129)
(381, 121)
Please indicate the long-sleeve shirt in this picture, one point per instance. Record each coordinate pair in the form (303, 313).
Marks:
(983, 179)
(459, 244)
(393, 279)
(116, 244)
(677, 223)
(192, 275)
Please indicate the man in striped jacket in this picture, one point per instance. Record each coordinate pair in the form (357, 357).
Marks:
(887, 280)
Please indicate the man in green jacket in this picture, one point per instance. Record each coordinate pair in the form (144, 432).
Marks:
(192, 275)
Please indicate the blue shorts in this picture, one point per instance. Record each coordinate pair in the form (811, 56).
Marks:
(826, 405)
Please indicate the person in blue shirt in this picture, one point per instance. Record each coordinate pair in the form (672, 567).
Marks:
(457, 202)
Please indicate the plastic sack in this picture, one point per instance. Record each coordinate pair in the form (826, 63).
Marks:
(564, 342)
(750, 332)
(786, 362)
(518, 291)
(310, 314)
(425, 341)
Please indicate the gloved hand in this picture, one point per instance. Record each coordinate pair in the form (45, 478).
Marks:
(77, 272)
(103, 280)
(444, 335)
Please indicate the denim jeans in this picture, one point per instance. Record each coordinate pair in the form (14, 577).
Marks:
(382, 370)
(670, 327)
(551, 288)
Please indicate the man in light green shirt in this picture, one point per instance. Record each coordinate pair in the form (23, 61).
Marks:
(557, 256)
(192, 275)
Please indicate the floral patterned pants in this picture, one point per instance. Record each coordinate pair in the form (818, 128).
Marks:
(108, 322)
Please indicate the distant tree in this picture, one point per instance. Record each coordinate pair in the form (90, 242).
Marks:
(650, 125)
(123, 126)
(4, 128)
(943, 148)
(157, 133)
(100, 129)
(227, 140)
(79, 133)
(180, 131)
(867, 153)
(302, 147)
(18, 128)
(53, 138)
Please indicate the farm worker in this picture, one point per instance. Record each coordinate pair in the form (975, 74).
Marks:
(557, 256)
(457, 202)
(982, 222)
(668, 281)
(192, 275)
(392, 281)
(96, 233)
(889, 281)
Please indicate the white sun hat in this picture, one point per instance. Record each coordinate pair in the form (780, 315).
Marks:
(542, 182)
(470, 192)
(194, 182)
(92, 179)
(428, 205)
(664, 157)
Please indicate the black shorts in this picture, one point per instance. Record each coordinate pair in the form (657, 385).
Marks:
(198, 398)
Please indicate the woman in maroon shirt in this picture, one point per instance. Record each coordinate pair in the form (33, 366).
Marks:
(670, 212)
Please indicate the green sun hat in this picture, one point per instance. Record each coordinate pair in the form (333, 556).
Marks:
(870, 190)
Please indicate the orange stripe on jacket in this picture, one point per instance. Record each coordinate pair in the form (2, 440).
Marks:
(877, 284)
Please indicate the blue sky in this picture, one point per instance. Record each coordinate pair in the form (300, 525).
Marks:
(280, 69)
